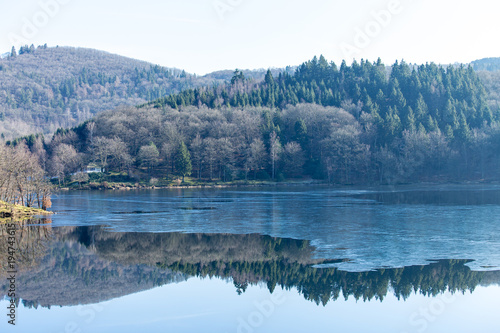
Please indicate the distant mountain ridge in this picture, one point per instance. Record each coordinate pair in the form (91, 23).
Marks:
(43, 88)
(486, 64)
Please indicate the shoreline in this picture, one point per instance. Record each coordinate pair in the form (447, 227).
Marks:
(130, 187)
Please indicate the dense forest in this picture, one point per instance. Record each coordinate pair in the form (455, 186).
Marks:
(44, 88)
(362, 123)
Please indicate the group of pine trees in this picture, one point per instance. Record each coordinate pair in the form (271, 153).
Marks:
(425, 98)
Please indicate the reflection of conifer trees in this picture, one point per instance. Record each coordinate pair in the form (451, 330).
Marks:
(90, 264)
(321, 285)
(288, 263)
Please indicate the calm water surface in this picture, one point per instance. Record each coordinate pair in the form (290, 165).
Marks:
(391, 259)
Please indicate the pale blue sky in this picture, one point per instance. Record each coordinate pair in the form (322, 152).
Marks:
(206, 35)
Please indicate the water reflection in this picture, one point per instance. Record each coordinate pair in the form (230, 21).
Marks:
(60, 266)
(84, 265)
(374, 227)
(29, 238)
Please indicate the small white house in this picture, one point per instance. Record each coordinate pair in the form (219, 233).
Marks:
(93, 168)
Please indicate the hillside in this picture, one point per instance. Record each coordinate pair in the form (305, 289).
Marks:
(488, 70)
(46, 88)
(350, 124)
(42, 89)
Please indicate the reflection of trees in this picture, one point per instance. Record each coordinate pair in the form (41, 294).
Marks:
(250, 259)
(59, 267)
(89, 264)
(32, 238)
(321, 285)
(170, 248)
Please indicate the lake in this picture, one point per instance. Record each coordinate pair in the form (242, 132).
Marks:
(261, 259)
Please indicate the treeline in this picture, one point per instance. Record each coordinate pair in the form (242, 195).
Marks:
(22, 179)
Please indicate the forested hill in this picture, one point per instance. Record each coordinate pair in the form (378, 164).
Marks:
(42, 89)
(428, 97)
(362, 123)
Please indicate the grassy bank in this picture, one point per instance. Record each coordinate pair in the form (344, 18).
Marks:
(17, 212)
(121, 181)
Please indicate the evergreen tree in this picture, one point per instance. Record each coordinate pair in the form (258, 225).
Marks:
(421, 108)
(301, 133)
(183, 161)
(269, 78)
(410, 120)
(238, 76)
(463, 131)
